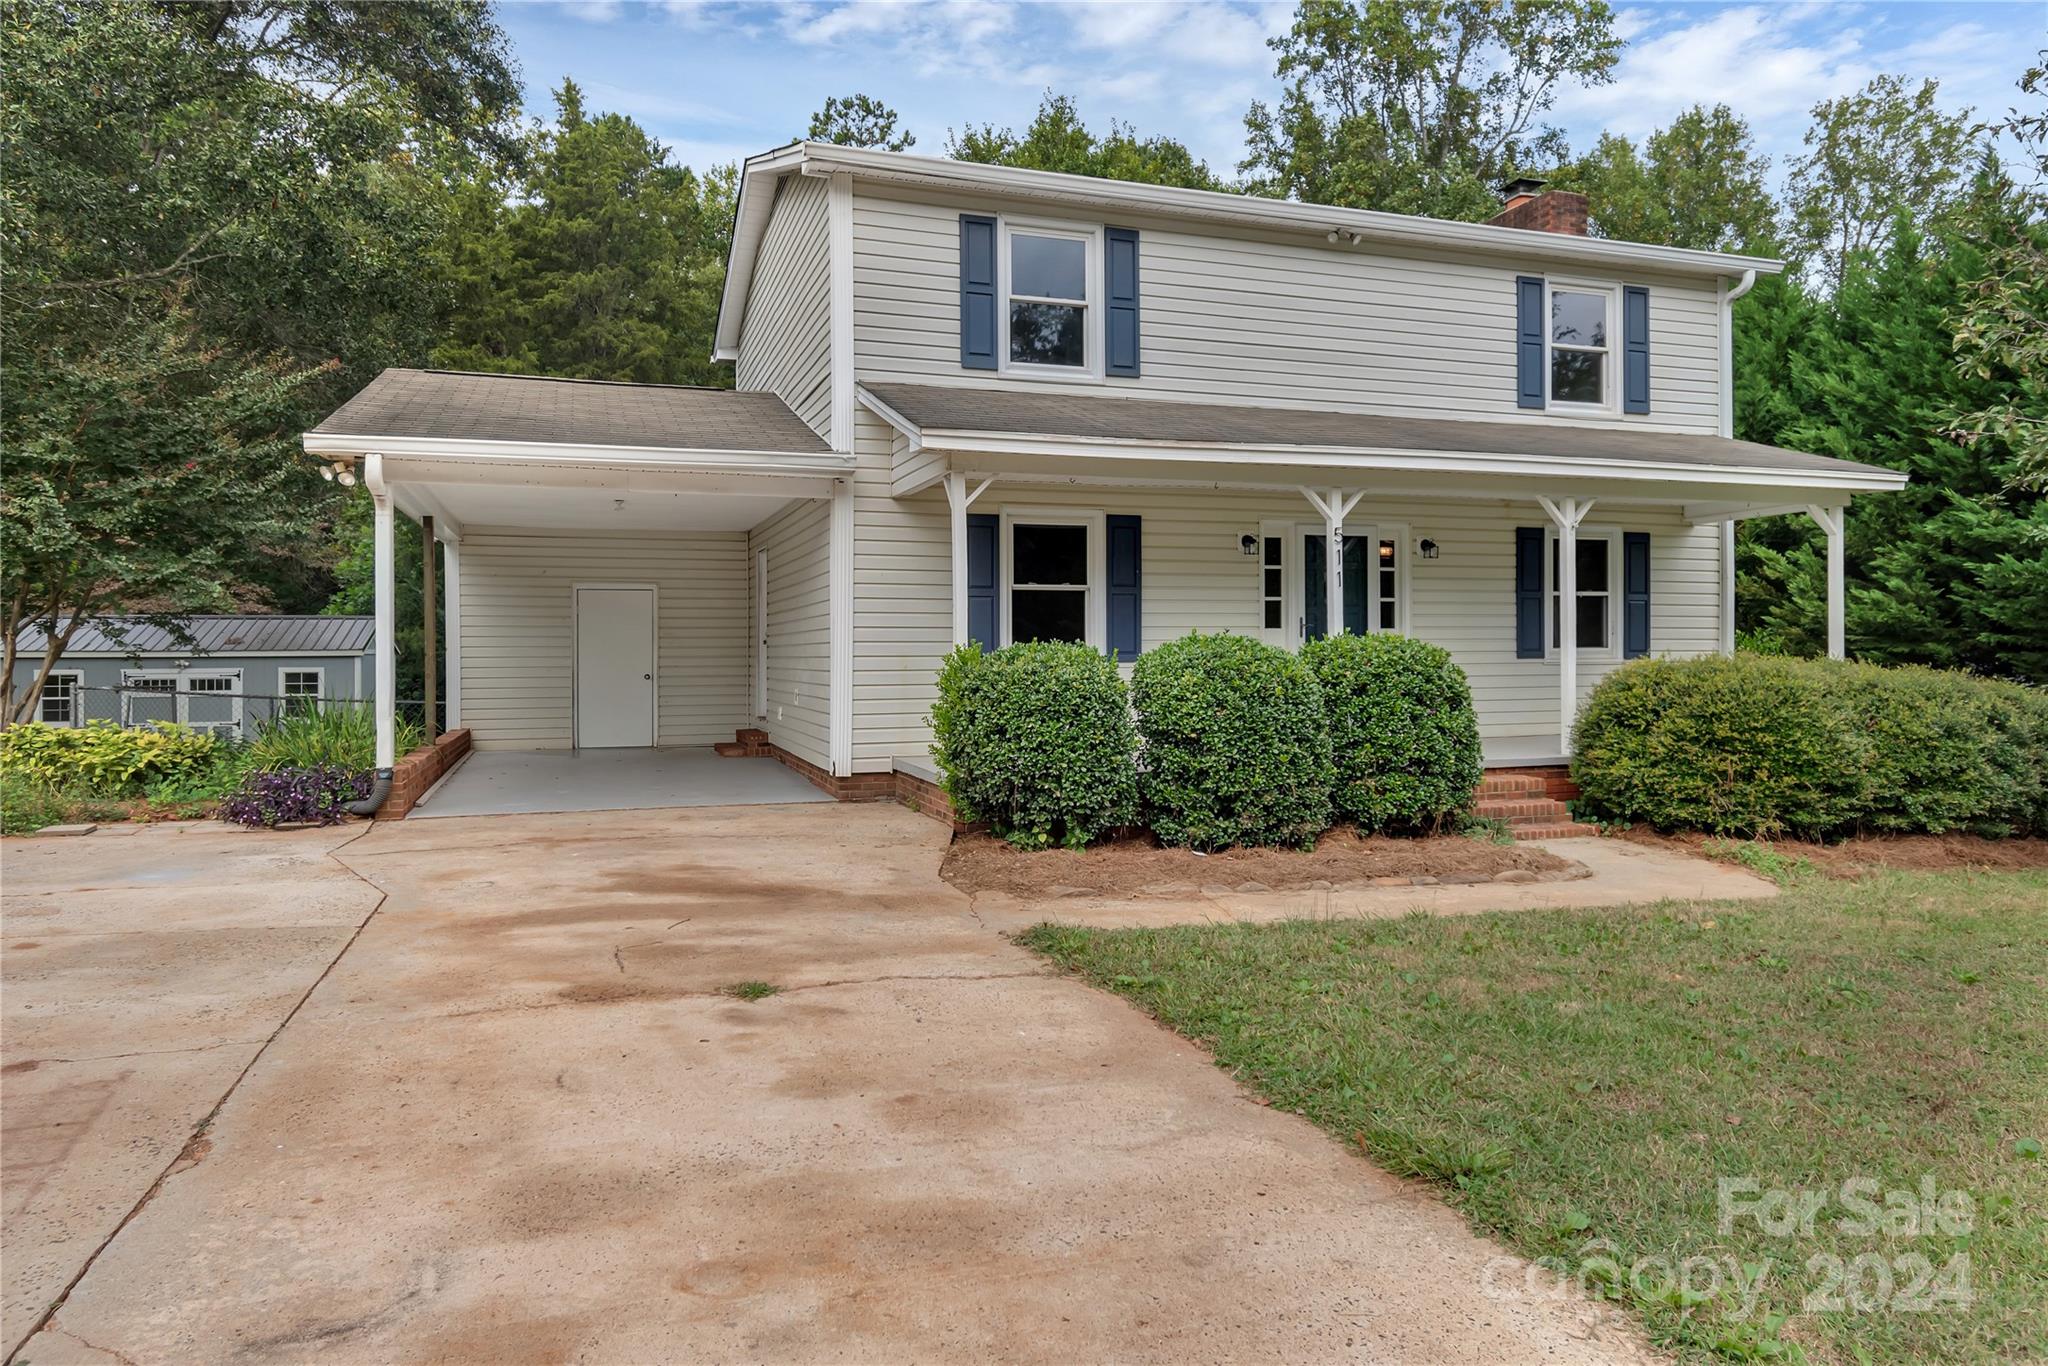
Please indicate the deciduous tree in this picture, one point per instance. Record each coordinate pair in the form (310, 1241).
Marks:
(1422, 106)
(1698, 183)
(1057, 140)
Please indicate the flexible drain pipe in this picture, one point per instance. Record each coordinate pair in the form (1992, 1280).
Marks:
(380, 788)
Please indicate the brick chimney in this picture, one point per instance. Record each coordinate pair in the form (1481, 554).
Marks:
(1526, 204)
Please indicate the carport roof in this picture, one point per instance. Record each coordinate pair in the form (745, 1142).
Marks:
(450, 405)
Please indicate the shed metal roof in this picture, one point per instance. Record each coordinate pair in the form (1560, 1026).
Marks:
(242, 635)
(462, 406)
(936, 409)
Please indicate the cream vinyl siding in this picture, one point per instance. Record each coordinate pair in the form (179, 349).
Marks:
(518, 649)
(1195, 576)
(786, 341)
(799, 629)
(1276, 321)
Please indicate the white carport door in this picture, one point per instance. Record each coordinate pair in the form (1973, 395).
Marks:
(614, 668)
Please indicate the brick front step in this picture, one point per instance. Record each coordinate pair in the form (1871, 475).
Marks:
(1524, 808)
(1565, 831)
(1509, 785)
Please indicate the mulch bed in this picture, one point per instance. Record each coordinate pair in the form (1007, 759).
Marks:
(1853, 858)
(1138, 865)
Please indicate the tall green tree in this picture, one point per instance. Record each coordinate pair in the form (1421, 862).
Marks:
(1887, 153)
(859, 121)
(1697, 183)
(1422, 106)
(603, 260)
(1953, 570)
(1058, 140)
(218, 219)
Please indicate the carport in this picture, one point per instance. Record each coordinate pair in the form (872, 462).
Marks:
(519, 782)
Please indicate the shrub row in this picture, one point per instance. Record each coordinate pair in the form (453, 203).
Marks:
(1220, 740)
(1757, 745)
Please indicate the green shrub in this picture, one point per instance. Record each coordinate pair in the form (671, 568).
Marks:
(102, 759)
(1763, 746)
(1036, 740)
(1748, 745)
(1235, 747)
(336, 734)
(1403, 734)
(28, 804)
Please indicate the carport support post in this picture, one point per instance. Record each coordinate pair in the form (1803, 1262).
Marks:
(958, 500)
(1830, 520)
(1567, 513)
(429, 603)
(451, 589)
(380, 503)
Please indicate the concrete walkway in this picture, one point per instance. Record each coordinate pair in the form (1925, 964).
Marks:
(518, 1120)
(526, 782)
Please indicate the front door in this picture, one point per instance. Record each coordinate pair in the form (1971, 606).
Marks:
(1315, 599)
(614, 668)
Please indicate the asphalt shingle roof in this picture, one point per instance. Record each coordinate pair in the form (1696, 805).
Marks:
(458, 405)
(1116, 417)
(247, 635)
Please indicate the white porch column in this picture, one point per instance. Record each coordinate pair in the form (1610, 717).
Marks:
(451, 592)
(1830, 520)
(1728, 587)
(387, 616)
(1566, 514)
(959, 499)
(1335, 506)
(839, 596)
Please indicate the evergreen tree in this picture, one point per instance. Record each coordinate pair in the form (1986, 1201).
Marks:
(604, 261)
(859, 121)
(1953, 570)
(1057, 140)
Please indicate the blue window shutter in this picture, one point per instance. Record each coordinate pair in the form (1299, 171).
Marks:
(982, 530)
(1635, 594)
(1126, 595)
(977, 292)
(1528, 592)
(1529, 346)
(1122, 294)
(1635, 349)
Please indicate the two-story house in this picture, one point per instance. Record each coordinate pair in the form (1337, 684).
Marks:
(980, 403)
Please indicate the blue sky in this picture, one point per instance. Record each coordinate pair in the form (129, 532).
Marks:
(719, 81)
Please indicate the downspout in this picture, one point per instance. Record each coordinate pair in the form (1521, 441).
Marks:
(380, 496)
(1728, 298)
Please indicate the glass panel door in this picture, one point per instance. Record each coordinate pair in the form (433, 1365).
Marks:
(1315, 597)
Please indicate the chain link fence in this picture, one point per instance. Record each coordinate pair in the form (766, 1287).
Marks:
(199, 702)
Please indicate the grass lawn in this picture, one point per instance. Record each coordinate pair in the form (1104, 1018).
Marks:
(1579, 1082)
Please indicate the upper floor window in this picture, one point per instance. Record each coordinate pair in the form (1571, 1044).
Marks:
(1050, 303)
(1581, 336)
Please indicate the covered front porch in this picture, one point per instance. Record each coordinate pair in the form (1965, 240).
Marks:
(1540, 555)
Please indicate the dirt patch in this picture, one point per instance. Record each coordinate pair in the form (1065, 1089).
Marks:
(1140, 866)
(1853, 858)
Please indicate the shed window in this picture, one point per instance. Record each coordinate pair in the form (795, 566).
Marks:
(61, 701)
(299, 690)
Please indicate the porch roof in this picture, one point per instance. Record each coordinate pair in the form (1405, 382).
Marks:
(979, 419)
(408, 408)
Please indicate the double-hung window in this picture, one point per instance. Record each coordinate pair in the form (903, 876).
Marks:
(1053, 572)
(63, 699)
(299, 690)
(1051, 313)
(1581, 336)
(1597, 603)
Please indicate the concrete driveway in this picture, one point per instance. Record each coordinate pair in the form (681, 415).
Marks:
(517, 1120)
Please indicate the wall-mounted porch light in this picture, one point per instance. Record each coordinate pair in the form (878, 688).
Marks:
(1428, 548)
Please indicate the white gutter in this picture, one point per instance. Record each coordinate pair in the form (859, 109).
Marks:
(1129, 197)
(1728, 298)
(1251, 457)
(808, 464)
